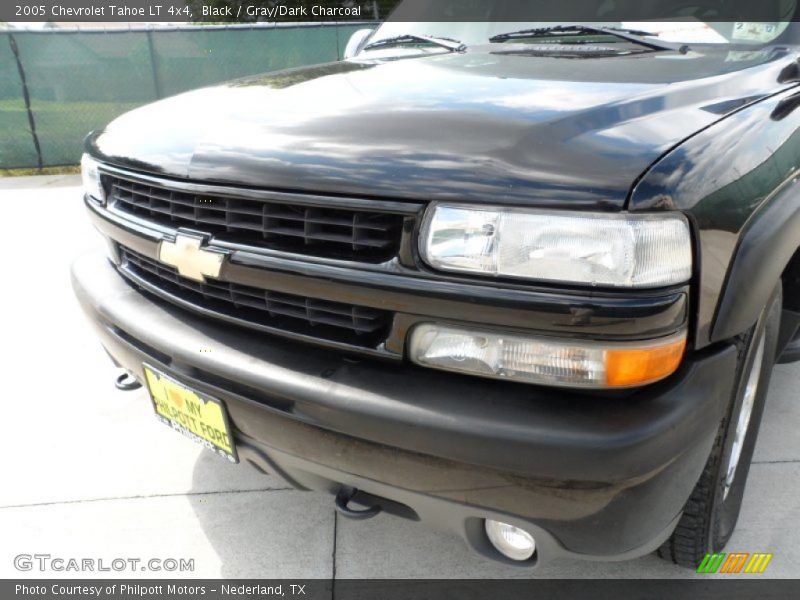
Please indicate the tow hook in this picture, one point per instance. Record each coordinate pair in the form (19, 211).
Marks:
(127, 382)
(343, 498)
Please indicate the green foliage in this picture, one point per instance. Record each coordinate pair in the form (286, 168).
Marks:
(44, 171)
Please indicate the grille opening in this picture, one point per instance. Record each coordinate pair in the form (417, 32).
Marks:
(326, 232)
(335, 321)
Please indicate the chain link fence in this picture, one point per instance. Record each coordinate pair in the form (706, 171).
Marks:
(57, 85)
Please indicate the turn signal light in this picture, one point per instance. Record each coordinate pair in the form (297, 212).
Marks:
(544, 360)
(637, 366)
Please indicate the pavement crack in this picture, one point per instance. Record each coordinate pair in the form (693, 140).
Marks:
(145, 497)
(333, 554)
(775, 462)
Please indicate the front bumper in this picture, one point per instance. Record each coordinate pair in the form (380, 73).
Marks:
(588, 475)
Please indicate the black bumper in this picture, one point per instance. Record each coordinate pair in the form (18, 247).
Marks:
(590, 475)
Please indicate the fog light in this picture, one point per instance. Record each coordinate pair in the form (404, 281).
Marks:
(510, 541)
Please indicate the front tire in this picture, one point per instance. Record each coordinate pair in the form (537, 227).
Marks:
(711, 513)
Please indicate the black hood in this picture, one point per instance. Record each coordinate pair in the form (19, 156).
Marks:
(482, 126)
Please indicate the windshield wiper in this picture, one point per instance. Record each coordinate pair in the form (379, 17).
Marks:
(631, 35)
(410, 38)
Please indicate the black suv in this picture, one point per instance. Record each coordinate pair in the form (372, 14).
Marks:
(523, 282)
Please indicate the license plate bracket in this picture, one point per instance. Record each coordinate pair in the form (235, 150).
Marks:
(196, 415)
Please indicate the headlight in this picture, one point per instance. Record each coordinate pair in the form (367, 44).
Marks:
(545, 361)
(91, 178)
(599, 249)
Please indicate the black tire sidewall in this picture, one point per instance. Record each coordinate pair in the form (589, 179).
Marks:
(725, 511)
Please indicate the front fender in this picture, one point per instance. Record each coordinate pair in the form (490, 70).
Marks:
(736, 181)
(769, 241)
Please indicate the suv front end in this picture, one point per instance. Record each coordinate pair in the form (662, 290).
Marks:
(432, 296)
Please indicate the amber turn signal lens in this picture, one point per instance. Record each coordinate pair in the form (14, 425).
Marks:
(545, 360)
(638, 366)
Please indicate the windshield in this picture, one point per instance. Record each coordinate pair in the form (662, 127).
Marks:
(697, 32)
(446, 18)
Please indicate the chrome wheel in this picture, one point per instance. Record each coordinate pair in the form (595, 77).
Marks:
(745, 413)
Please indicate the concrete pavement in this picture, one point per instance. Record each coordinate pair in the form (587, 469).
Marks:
(89, 473)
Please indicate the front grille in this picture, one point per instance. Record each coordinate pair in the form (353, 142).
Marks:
(333, 321)
(327, 232)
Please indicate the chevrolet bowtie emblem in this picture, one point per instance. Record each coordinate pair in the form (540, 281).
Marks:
(191, 260)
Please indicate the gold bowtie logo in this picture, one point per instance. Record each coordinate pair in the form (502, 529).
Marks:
(191, 260)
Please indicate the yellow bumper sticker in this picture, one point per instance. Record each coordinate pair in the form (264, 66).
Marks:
(197, 416)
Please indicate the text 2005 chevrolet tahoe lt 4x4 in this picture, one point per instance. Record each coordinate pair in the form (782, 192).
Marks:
(526, 287)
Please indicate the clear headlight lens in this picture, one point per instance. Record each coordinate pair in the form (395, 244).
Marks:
(91, 178)
(601, 249)
(545, 361)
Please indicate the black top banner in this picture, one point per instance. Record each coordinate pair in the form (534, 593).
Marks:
(251, 11)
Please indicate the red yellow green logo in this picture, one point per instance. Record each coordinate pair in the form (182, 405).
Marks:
(734, 563)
